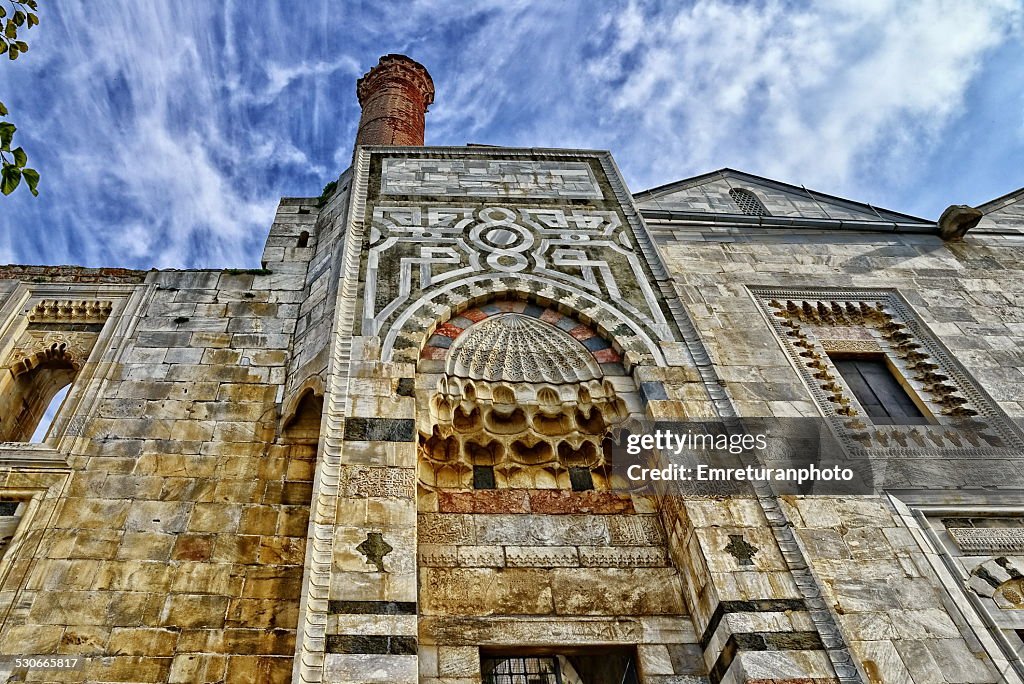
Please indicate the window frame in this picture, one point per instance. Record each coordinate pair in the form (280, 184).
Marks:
(925, 417)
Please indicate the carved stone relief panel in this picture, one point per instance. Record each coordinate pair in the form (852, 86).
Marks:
(812, 324)
(414, 250)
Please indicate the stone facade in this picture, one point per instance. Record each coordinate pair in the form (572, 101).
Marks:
(386, 455)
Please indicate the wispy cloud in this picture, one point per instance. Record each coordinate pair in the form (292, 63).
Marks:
(166, 132)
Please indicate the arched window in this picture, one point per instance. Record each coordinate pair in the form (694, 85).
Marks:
(748, 202)
(27, 394)
(51, 413)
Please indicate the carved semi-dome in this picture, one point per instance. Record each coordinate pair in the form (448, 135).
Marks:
(517, 348)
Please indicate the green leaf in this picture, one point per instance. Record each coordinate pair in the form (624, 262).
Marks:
(11, 31)
(3, 47)
(13, 52)
(22, 45)
(31, 177)
(3, 109)
(20, 158)
(33, 20)
(7, 130)
(19, 17)
(11, 178)
(3, 12)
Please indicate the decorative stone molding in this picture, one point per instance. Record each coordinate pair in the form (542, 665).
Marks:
(987, 535)
(978, 540)
(70, 311)
(523, 393)
(851, 346)
(40, 347)
(812, 323)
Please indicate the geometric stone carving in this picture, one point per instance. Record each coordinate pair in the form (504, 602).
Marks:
(623, 557)
(806, 318)
(988, 540)
(517, 348)
(740, 549)
(417, 252)
(439, 345)
(522, 396)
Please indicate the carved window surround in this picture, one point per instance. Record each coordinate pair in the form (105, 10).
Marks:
(76, 323)
(812, 324)
(982, 584)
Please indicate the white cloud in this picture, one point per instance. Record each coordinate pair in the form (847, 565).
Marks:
(829, 92)
(166, 131)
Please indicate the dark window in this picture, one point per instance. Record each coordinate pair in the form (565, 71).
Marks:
(748, 202)
(607, 666)
(303, 239)
(581, 479)
(515, 670)
(878, 391)
(8, 507)
(483, 477)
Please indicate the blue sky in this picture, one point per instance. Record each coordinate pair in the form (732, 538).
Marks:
(165, 132)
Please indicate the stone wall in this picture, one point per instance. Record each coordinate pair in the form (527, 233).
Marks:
(898, 614)
(167, 535)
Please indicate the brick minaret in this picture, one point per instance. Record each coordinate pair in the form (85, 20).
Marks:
(394, 96)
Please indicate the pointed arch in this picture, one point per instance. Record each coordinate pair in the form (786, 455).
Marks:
(303, 411)
(415, 326)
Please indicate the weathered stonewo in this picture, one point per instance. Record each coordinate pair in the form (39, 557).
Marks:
(266, 476)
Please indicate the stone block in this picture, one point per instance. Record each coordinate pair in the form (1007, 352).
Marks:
(189, 611)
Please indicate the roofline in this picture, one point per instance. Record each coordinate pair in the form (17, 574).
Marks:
(797, 188)
(660, 217)
(993, 202)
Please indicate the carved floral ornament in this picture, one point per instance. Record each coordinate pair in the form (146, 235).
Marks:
(36, 349)
(811, 324)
